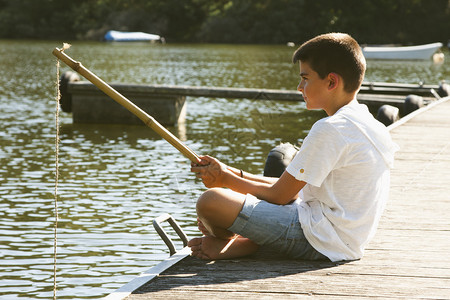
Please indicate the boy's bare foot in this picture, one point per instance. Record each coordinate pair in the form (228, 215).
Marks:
(212, 248)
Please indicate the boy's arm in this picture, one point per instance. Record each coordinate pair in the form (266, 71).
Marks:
(283, 191)
(212, 171)
(252, 177)
(279, 191)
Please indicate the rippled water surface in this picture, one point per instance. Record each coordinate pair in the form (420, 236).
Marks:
(115, 179)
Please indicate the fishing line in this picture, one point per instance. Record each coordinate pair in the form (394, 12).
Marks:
(57, 140)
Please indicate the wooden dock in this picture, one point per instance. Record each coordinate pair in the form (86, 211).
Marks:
(166, 103)
(409, 258)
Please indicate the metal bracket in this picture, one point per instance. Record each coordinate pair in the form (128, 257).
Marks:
(162, 233)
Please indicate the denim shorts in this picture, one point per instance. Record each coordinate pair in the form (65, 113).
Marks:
(275, 227)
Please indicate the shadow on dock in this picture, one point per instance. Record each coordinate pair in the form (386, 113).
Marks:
(198, 274)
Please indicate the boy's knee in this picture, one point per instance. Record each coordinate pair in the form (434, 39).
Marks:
(208, 200)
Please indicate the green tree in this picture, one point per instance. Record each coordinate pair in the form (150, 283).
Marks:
(230, 21)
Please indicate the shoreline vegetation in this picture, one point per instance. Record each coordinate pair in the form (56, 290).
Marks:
(238, 21)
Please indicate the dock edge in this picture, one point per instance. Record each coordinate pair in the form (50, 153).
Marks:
(134, 284)
(417, 112)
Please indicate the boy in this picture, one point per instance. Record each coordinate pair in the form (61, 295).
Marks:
(327, 203)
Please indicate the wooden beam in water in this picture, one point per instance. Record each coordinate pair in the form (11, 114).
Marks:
(367, 90)
(198, 91)
(387, 88)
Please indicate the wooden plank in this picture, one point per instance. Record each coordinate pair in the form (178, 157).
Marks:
(254, 278)
(390, 95)
(197, 91)
(396, 88)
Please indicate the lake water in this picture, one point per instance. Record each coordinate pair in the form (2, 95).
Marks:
(115, 179)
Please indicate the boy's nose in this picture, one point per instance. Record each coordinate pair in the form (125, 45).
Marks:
(300, 87)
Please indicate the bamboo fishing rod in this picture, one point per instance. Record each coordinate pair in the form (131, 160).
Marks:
(119, 98)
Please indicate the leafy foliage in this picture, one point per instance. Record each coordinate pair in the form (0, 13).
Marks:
(229, 21)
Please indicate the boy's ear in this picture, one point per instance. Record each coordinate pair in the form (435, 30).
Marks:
(333, 79)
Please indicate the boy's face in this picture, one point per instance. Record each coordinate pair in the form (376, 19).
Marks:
(312, 87)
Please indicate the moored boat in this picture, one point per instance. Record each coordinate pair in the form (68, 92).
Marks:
(123, 36)
(401, 52)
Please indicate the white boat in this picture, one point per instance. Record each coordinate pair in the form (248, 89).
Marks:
(403, 52)
(123, 36)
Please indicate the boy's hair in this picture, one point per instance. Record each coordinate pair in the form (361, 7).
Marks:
(334, 53)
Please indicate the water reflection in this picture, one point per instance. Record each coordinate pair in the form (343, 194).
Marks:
(114, 180)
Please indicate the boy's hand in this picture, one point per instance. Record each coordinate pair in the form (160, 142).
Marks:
(211, 171)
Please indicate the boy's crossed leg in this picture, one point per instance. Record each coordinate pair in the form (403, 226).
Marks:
(217, 209)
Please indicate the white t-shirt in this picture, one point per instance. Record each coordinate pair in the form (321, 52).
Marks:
(345, 161)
